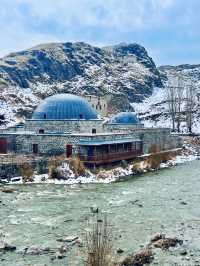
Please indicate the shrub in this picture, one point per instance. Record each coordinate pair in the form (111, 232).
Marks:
(54, 162)
(77, 166)
(154, 161)
(42, 166)
(26, 172)
(99, 243)
(136, 168)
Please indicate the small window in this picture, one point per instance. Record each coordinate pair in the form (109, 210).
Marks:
(100, 107)
(96, 106)
(41, 131)
(94, 131)
(45, 116)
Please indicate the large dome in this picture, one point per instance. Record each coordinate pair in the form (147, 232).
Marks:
(64, 106)
(124, 118)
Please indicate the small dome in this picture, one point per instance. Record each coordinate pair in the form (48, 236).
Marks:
(124, 118)
(64, 106)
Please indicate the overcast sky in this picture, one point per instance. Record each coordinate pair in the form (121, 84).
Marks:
(168, 29)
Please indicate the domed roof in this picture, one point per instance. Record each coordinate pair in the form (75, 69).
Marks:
(124, 118)
(64, 106)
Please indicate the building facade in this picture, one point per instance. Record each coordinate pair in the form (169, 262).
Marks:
(67, 124)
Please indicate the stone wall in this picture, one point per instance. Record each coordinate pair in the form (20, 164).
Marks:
(99, 103)
(23, 142)
(160, 138)
(61, 126)
(46, 143)
(121, 127)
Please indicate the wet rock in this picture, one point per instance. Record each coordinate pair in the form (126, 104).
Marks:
(68, 220)
(34, 250)
(139, 259)
(161, 241)
(94, 209)
(63, 249)
(43, 178)
(60, 256)
(6, 247)
(157, 237)
(183, 252)
(183, 203)
(136, 203)
(119, 250)
(68, 239)
(8, 190)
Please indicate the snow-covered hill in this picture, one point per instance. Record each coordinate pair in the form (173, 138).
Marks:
(125, 71)
(153, 111)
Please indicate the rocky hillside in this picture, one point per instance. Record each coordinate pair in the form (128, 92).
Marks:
(189, 73)
(125, 71)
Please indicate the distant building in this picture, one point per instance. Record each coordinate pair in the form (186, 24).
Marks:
(99, 103)
(68, 124)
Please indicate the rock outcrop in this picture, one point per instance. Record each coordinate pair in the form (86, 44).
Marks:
(124, 71)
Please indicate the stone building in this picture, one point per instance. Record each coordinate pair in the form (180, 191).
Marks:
(99, 103)
(67, 124)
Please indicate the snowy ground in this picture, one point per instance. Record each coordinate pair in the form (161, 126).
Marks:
(107, 176)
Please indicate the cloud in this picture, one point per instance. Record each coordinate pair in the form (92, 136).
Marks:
(154, 23)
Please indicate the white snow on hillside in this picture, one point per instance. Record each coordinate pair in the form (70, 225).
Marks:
(153, 112)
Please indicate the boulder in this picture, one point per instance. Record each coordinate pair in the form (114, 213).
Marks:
(68, 239)
(163, 242)
(139, 259)
(35, 250)
(6, 247)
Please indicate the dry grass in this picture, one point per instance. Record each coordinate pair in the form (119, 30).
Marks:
(77, 166)
(26, 171)
(136, 168)
(155, 159)
(54, 162)
(99, 245)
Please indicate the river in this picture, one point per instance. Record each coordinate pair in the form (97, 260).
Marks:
(167, 201)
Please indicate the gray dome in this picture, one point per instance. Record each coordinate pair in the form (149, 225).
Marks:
(64, 106)
(124, 118)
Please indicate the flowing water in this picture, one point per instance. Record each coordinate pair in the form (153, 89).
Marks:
(167, 201)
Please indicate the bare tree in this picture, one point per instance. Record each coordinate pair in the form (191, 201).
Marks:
(172, 99)
(190, 104)
(175, 99)
(171, 95)
(179, 102)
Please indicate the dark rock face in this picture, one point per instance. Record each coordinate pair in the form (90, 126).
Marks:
(124, 70)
